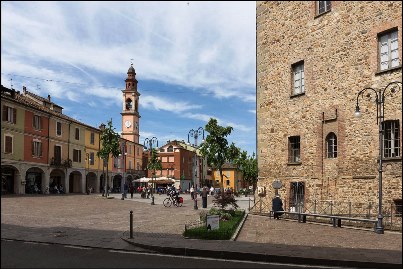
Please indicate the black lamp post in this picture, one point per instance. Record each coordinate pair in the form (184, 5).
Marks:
(102, 128)
(380, 95)
(195, 134)
(150, 142)
(123, 156)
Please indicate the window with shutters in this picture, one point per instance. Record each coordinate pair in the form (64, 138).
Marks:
(391, 139)
(388, 50)
(77, 136)
(58, 154)
(298, 78)
(323, 7)
(36, 148)
(92, 139)
(8, 144)
(92, 157)
(37, 124)
(9, 114)
(58, 128)
(77, 155)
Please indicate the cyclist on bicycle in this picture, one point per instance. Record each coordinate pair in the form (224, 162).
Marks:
(174, 192)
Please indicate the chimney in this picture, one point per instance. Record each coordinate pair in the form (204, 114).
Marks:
(49, 97)
(24, 89)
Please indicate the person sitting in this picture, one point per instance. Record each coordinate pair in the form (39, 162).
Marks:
(61, 190)
(277, 205)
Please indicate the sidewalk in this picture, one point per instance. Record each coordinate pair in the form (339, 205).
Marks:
(93, 221)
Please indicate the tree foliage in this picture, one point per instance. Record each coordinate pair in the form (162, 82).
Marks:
(216, 148)
(248, 166)
(154, 163)
(109, 142)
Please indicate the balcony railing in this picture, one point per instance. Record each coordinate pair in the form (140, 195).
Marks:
(60, 163)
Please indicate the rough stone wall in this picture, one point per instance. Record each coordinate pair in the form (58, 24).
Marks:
(340, 54)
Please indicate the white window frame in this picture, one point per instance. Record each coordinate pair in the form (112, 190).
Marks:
(331, 145)
(327, 7)
(10, 114)
(391, 139)
(37, 144)
(388, 50)
(298, 78)
(294, 152)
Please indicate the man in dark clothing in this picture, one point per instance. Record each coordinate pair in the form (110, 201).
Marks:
(204, 194)
(277, 205)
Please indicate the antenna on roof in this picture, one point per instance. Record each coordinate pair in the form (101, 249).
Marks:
(11, 83)
(131, 61)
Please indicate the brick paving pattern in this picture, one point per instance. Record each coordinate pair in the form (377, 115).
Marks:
(91, 220)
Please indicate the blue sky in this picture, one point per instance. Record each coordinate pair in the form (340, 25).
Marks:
(194, 60)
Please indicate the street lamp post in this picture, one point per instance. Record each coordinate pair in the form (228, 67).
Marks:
(150, 142)
(102, 128)
(87, 170)
(122, 184)
(195, 134)
(380, 95)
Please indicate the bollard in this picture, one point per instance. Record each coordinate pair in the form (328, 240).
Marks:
(249, 203)
(131, 224)
(123, 196)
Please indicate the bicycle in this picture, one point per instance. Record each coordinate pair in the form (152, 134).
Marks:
(172, 200)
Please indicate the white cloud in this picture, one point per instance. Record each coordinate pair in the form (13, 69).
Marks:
(159, 103)
(171, 42)
(253, 111)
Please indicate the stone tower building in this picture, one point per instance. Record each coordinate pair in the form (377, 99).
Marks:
(313, 58)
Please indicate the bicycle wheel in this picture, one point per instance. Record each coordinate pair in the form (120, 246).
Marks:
(167, 202)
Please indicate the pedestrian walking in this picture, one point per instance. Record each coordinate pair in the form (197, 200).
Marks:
(204, 195)
(212, 190)
(277, 205)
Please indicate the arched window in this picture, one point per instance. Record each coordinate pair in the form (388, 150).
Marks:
(170, 149)
(128, 104)
(331, 145)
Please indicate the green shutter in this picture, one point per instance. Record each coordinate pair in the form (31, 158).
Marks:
(14, 115)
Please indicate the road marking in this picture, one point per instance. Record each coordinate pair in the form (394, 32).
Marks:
(77, 247)
(35, 243)
(224, 260)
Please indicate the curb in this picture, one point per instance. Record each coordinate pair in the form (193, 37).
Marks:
(253, 257)
(240, 225)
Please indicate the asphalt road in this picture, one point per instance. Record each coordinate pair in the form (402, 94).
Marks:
(18, 254)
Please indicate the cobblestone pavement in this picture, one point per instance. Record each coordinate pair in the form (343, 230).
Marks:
(92, 220)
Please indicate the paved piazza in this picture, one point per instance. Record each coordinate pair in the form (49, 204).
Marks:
(95, 212)
(92, 220)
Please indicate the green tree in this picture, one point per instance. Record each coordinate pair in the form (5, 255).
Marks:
(154, 164)
(216, 148)
(109, 146)
(248, 166)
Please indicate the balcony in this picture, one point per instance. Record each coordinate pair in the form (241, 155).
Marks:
(60, 163)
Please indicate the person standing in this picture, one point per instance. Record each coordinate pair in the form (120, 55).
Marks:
(125, 189)
(204, 195)
(212, 191)
(192, 190)
(277, 205)
(131, 189)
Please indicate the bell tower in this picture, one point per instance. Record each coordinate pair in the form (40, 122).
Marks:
(130, 112)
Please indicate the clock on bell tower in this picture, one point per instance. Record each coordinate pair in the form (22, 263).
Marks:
(130, 113)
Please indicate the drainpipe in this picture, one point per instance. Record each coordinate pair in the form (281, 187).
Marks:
(323, 122)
